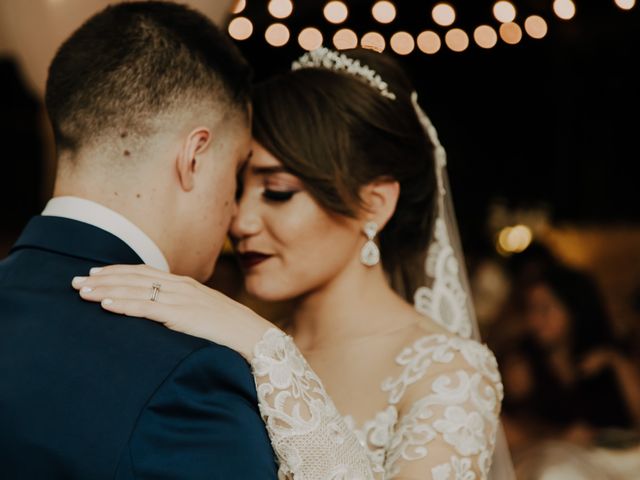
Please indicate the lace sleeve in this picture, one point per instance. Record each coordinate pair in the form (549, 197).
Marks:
(309, 436)
(449, 430)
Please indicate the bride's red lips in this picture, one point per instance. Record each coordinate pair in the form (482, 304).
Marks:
(251, 259)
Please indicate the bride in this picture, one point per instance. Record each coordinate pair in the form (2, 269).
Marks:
(343, 208)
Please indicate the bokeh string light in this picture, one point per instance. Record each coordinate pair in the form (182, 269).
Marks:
(564, 9)
(336, 12)
(510, 29)
(239, 6)
(457, 40)
(240, 28)
(345, 38)
(510, 33)
(485, 36)
(535, 26)
(280, 8)
(443, 14)
(625, 4)
(277, 35)
(504, 11)
(384, 11)
(429, 42)
(310, 38)
(374, 41)
(402, 43)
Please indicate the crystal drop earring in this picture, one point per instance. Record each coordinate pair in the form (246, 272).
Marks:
(370, 253)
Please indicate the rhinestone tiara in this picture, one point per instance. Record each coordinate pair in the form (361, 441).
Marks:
(324, 58)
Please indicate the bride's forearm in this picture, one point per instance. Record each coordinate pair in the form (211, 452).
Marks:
(309, 436)
(246, 331)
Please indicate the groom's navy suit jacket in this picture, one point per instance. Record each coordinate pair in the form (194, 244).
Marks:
(85, 394)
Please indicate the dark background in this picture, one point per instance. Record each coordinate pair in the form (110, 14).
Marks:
(550, 123)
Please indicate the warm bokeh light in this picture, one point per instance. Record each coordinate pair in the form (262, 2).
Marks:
(310, 38)
(485, 36)
(280, 8)
(402, 43)
(504, 11)
(511, 33)
(384, 12)
(336, 12)
(239, 6)
(565, 9)
(535, 26)
(514, 239)
(457, 40)
(277, 35)
(429, 42)
(625, 4)
(345, 38)
(443, 14)
(373, 40)
(240, 28)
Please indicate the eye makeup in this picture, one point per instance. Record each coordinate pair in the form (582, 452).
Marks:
(278, 195)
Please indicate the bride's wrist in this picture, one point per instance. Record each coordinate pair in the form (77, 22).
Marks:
(254, 331)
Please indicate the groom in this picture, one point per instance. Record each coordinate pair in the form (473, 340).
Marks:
(150, 108)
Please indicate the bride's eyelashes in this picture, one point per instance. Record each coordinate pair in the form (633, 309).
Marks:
(278, 195)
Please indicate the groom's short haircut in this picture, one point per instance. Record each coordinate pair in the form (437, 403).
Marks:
(134, 61)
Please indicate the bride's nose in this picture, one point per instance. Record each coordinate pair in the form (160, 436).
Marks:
(246, 221)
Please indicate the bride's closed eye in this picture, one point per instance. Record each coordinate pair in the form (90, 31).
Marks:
(280, 187)
(279, 195)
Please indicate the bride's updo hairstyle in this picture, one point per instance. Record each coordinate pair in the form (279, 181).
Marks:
(337, 133)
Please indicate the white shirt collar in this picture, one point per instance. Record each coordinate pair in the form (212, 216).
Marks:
(106, 219)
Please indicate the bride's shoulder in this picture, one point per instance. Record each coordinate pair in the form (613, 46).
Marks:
(434, 358)
(439, 347)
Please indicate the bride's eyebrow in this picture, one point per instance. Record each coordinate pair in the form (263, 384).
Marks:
(256, 170)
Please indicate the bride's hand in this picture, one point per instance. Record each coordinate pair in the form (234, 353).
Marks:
(180, 303)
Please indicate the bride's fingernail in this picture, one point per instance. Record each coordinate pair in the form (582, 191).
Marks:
(86, 289)
(95, 270)
(78, 280)
(107, 301)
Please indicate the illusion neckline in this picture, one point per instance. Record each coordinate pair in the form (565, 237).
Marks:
(359, 339)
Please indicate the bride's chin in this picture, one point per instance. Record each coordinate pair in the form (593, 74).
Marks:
(264, 290)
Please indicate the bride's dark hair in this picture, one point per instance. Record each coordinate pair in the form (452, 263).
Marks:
(337, 134)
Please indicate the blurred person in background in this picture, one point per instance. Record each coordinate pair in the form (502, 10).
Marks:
(568, 378)
(498, 284)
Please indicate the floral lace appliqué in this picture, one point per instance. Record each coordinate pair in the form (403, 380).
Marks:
(458, 409)
(310, 438)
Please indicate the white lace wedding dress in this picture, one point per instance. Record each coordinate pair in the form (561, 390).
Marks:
(427, 410)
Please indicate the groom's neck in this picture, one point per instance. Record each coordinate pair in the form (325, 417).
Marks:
(141, 204)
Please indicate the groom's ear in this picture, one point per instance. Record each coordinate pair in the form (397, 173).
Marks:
(188, 161)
